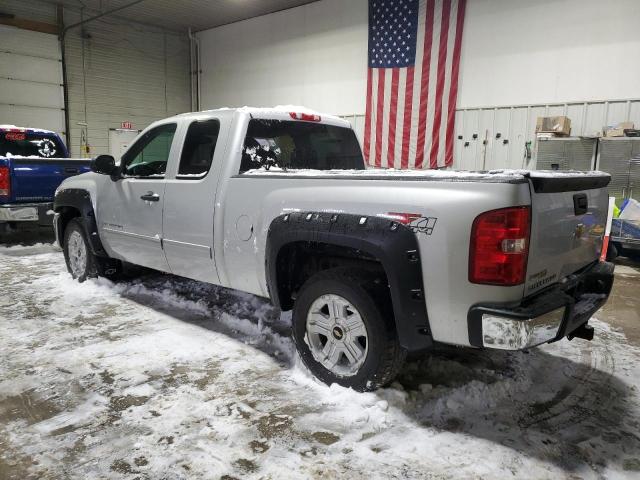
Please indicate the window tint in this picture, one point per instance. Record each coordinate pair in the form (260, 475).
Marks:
(30, 145)
(300, 145)
(149, 155)
(199, 146)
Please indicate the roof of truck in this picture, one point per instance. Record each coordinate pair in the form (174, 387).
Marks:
(276, 111)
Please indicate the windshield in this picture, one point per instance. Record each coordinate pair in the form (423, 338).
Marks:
(300, 145)
(27, 144)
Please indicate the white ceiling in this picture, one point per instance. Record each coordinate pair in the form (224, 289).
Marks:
(179, 15)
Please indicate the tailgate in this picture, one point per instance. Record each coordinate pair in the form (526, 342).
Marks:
(36, 179)
(568, 218)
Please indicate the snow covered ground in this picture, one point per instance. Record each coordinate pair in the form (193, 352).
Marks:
(162, 377)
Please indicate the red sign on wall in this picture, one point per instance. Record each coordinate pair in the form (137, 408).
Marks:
(127, 125)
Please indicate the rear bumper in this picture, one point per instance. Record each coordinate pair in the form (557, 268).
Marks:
(26, 212)
(545, 317)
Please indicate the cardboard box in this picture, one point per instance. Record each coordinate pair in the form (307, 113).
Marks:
(561, 126)
(618, 130)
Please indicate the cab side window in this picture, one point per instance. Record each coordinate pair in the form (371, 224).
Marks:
(148, 157)
(199, 147)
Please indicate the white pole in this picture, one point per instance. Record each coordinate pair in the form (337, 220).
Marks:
(607, 230)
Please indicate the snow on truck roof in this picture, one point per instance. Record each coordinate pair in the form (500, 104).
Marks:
(300, 112)
(27, 129)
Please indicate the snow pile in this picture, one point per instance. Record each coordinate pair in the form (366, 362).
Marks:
(163, 377)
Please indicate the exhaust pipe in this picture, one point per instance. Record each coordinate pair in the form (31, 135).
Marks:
(584, 331)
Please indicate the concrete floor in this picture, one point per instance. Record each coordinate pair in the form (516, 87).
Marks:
(623, 308)
(162, 377)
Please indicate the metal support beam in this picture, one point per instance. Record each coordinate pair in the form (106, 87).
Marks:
(65, 80)
(100, 15)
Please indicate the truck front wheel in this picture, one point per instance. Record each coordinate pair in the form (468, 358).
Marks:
(342, 330)
(81, 262)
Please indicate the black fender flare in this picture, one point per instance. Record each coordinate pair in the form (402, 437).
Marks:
(79, 200)
(394, 245)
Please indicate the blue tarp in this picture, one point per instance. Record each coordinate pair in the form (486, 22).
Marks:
(625, 228)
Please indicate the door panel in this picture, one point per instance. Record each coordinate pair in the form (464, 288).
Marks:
(131, 208)
(132, 226)
(190, 202)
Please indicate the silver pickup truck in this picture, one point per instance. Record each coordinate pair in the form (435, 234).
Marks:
(375, 264)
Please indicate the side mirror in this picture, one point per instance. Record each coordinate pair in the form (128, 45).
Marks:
(104, 165)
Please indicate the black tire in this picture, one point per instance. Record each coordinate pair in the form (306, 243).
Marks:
(384, 357)
(93, 266)
(613, 252)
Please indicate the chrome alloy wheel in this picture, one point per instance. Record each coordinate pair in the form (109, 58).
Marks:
(77, 251)
(336, 335)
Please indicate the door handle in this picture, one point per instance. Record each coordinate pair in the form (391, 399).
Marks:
(150, 197)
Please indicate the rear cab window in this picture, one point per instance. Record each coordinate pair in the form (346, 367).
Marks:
(199, 147)
(300, 145)
(31, 144)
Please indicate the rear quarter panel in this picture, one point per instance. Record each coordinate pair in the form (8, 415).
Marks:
(257, 200)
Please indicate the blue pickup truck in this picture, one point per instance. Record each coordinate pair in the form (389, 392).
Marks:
(33, 163)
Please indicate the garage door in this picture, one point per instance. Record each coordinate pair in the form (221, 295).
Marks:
(31, 93)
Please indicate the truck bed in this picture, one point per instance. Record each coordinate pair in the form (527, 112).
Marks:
(35, 179)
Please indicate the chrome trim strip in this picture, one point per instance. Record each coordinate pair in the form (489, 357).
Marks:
(192, 246)
(156, 239)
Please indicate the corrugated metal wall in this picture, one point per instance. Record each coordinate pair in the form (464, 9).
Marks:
(116, 71)
(517, 124)
(119, 72)
(30, 70)
(38, 11)
(507, 129)
(31, 93)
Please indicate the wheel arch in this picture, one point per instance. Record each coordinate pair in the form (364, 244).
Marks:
(369, 241)
(77, 203)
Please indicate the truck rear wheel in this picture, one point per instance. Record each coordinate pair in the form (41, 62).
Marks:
(340, 330)
(81, 262)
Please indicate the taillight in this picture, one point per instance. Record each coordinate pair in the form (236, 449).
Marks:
(500, 246)
(5, 182)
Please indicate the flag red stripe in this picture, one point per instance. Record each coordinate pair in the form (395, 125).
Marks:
(453, 93)
(442, 63)
(367, 118)
(424, 85)
(379, 114)
(408, 111)
(393, 114)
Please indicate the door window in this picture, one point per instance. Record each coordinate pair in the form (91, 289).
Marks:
(198, 150)
(149, 155)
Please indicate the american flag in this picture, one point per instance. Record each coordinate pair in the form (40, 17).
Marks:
(412, 87)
